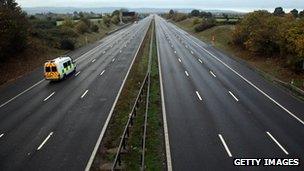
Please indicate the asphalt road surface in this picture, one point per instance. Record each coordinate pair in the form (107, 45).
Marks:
(217, 109)
(55, 126)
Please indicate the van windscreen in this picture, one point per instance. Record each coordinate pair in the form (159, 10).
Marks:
(54, 69)
(47, 69)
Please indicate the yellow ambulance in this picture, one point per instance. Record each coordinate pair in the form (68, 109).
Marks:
(59, 68)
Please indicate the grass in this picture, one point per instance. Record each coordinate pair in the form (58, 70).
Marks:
(155, 157)
(95, 21)
(267, 66)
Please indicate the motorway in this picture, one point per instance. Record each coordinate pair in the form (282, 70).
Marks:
(55, 126)
(216, 108)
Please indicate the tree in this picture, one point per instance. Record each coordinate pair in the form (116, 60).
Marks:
(204, 14)
(115, 19)
(171, 12)
(106, 20)
(225, 16)
(14, 28)
(116, 12)
(301, 14)
(278, 11)
(82, 27)
(195, 13)
(295, 13)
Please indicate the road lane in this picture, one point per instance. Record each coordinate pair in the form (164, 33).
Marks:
(234, 108)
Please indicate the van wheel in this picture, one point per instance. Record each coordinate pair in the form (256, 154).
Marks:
(64, 76)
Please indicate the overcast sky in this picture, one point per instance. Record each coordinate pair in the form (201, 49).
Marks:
(243, 5)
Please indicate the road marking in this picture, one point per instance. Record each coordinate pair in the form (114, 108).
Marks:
(172, 46)
(249, 82)
(191, 52)
(93, 60)
(282, 148)
(198, 95)
(49, 96)
(175, 51)
(77, 73)
(1, 135)
(84, 93)
(21, 93)
(187, 73)
(120, 51)
(212, 74)
(225, 145)
(45, 140)
(166, 132)
(233, 96)
(104, 52)
(200, 61)
(125, 45)
(102, 72)
(179, 60)
(113, 59)
(187, 46)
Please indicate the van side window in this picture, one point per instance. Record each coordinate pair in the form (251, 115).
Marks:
(65, 64)
(47, 69)
(69, 63)
(54, 69)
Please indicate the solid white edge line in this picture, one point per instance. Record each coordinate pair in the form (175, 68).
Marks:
(49, 96)
(84, 93)
(187, 73)
(282, 148)
(198, 95)
(28, 89)
(102, 72)
(91, 159)
(1, 135)
(249, 82)
(212, 74)
(225, 145)
(233, 96)
(166, 132)
(45, 140)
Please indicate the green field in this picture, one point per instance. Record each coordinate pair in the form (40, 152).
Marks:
(95, 20)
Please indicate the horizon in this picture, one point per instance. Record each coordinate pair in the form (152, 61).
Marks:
(233, 5)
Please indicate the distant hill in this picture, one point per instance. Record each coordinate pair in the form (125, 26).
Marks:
(63, 10)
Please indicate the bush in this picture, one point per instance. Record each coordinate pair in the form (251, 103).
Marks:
(196, 21)
(266, 34)
(82, 27)
(67, 44)
(115, 19)
(206, 24)
(95, 28)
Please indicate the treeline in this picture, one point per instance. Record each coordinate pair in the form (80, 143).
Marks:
(18, 31)
(202, 20)
(273, 34)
